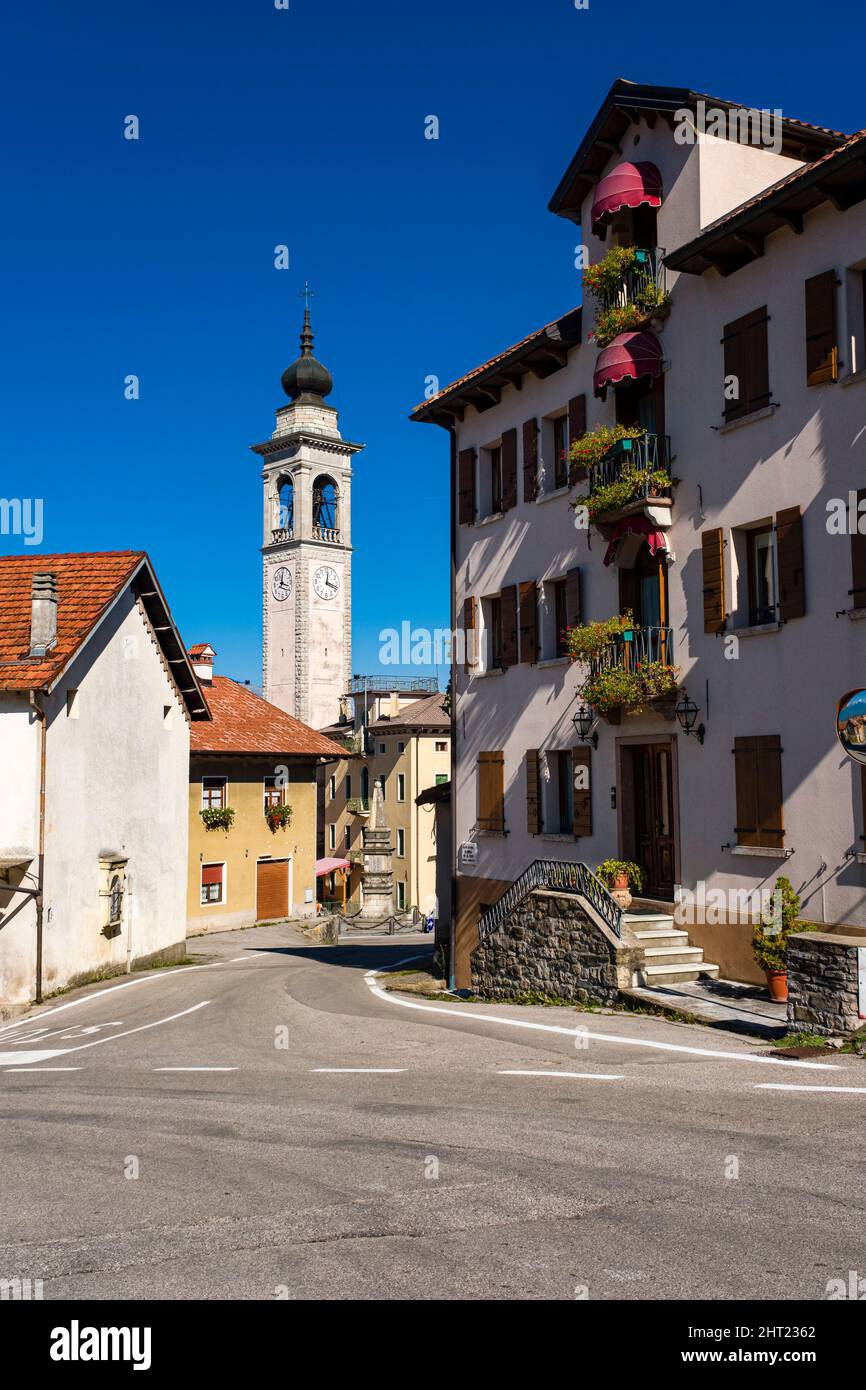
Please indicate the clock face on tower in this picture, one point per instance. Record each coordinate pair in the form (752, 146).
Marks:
(326, 582)
(282, 585)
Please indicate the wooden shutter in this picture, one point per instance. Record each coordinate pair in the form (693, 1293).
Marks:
(746, 358)
(533, 792)
(469, 634)
(576, 429)
(758, 770)
(572, 597)
(857, 594)
(789, 559)
(580, 759)
(508, 599)
(530, 460)
(210, 874)
(466, 487)
(713, 556)
(491, 791)
(529, 621)
(822, 339)
(509, 470)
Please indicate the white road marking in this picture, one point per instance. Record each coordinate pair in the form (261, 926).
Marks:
(366, 1071)
(582, 1032)
(24, 1071)
(32, 1019)
(777, 1086)
(575, 1075)
(21, 1057)
(196, 1069)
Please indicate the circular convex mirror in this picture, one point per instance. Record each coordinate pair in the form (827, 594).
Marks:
(851, 724)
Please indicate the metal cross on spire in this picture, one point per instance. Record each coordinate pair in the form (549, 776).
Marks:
(307, 294)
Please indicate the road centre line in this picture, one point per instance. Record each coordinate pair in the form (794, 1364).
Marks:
(390, 998)
(196, 1069)
(24, 1071)
(572, 1075)
(365, 1071)
(779, 1086)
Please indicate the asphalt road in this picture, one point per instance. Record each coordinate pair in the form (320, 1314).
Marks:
(198, 1133)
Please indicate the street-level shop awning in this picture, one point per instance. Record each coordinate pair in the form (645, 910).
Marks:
(327, 866)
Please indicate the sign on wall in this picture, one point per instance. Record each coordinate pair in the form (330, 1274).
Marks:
(468, 853)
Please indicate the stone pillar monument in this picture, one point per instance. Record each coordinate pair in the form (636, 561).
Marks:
(378, 870)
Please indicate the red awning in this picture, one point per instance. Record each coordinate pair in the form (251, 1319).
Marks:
(630, 355)
(327, 866)
(627, 186)
(636, 526)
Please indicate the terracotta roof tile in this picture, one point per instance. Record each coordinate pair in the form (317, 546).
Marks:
(242, 722)
(86, 586)
(425, 713)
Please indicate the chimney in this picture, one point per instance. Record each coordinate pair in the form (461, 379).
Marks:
(202, 657)
(394, 705)
(43, 614)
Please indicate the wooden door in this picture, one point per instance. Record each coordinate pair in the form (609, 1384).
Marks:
(654, 817)
(272, 889)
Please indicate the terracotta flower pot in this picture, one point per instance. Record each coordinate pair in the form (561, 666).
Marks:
(620, 882)
(777, 984)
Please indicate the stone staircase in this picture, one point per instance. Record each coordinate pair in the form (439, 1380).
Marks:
(668, 956)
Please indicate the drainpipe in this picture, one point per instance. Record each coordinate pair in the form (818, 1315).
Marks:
(40, 890)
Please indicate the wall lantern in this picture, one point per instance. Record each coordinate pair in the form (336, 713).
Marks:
(585, 723)
(687, 712)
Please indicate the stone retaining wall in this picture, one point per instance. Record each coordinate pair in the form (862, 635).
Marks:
(823, 983)
(550, 945)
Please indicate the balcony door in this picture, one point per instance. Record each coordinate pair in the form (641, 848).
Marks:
(643, 590)
(642, 403)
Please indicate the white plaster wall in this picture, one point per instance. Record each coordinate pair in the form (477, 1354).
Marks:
(19, 829)
(731, 173)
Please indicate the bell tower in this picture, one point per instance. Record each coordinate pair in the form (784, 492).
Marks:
(307, 550)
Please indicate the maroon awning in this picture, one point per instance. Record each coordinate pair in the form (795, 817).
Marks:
(636, 526)
(626, 186)
(630, 355)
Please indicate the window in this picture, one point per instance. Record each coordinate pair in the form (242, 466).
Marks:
(213, 879)
(332, 786)
(494, 633)
(747, 371)
(332, 836)
(822, 339)
(528, 592)
(401, 843)
(467, 502)
(381, 747)
(559, 645)
(347, 835)
(495, 465)
(324, 504)
(112, 890)
(761, 576)
(557, 793)
(401, 786)
(401, 896)
(560, 451)
(348, 786)
(441, 747)
(213, 793)
(365, 783)
(491, 792)
(401, 747)
(758, 776)
(286, 504)
(273, 792)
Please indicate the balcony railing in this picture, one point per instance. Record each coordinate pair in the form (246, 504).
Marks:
(326, 533)
(637, 647)
(358, 805)
(281, 534)
(651, 454)
(646, 279)
(384, 685)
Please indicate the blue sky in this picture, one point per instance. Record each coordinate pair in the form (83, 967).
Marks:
(306, 127)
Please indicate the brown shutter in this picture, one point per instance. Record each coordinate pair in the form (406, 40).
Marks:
(533, 792)
(466, 487)
(491, 791)
(272, 889)
(822, 342)
(576, 430)
(758, 771)
(580, 758)
(529, 621)
(858, 560)
(509, 470)
(530, 460)
(789, 558)
(746, 358)
(572, 597)
(469, 634)
(508, 599)
(713, 555)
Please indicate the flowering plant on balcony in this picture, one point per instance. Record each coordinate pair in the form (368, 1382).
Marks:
(218, 817)
(605, 277)
(634, 483)
(591, 448)
(621, 276)
(589, 640)
(278, 817)
(629, 688)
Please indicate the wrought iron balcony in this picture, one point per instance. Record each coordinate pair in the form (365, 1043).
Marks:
(637, 646)
(649, 454)
(644, 282)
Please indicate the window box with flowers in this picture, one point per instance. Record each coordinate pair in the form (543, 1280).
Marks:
(278, 817)
(629, 667)
(218, 817)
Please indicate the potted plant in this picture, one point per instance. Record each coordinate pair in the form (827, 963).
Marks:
(770, 938)
(620, 875)
(218, 817)
(278, 817)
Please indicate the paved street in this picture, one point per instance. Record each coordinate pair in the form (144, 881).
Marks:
(287, 1121)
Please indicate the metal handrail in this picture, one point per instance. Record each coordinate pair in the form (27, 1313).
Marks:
(383, 685)
(644, 645)
(648, 273)
(649, 453)
(556, 874)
